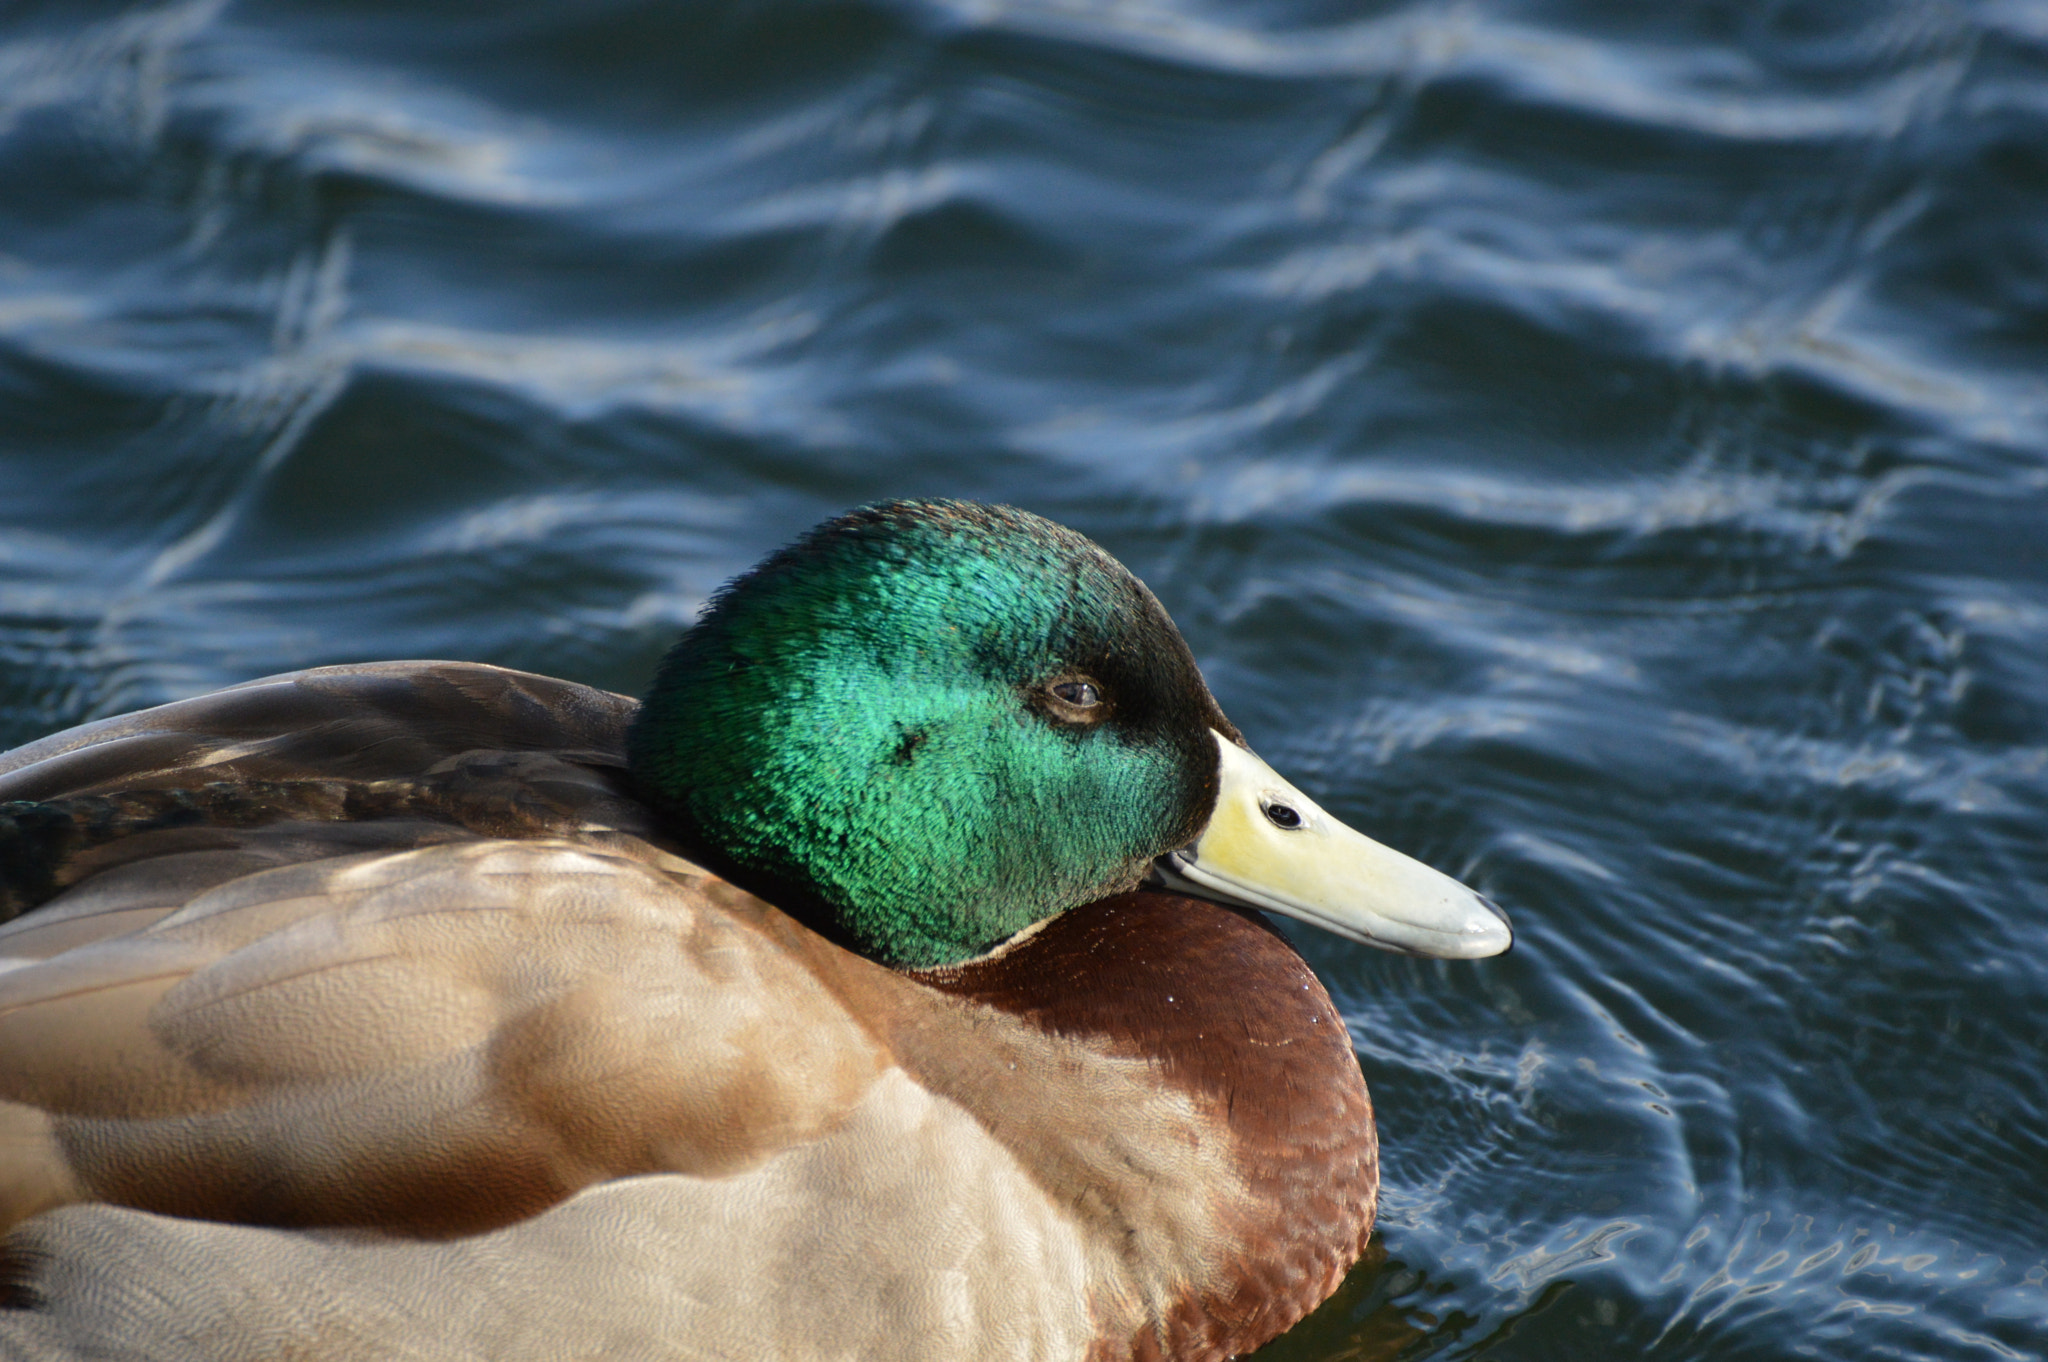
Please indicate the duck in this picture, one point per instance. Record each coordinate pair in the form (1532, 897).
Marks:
(892, 981)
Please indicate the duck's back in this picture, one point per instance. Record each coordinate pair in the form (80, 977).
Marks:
(380, 997)
(427, 751)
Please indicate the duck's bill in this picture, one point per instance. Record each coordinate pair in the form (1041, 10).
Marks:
(1269, 846)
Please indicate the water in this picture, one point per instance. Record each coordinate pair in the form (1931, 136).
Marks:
(1596, 447)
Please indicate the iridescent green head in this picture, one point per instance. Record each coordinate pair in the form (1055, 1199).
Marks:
(938, 722)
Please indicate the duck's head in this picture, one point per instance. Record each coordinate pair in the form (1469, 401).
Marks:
(939, 723)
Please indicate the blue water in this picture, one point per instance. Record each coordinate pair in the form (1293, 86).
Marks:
(1597, 447)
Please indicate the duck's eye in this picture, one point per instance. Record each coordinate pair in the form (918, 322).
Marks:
(1079, 694)
(1281, 815)
(1074, 700)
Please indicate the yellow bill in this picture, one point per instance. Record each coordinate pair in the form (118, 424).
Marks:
(1269, 846)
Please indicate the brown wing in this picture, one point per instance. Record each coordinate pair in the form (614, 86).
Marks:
(451, 748)
(371, 722)
(303, 1016)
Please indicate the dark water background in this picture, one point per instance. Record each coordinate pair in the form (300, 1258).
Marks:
(1595, 446)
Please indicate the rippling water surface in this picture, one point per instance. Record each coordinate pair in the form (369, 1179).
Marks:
(1595, 446)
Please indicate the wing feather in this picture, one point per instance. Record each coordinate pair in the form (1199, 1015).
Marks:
(430, 1040)
(446, 1015)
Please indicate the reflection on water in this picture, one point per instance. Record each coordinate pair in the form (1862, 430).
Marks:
(1596, 448)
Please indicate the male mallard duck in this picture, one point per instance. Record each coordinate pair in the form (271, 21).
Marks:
(810, 1008)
